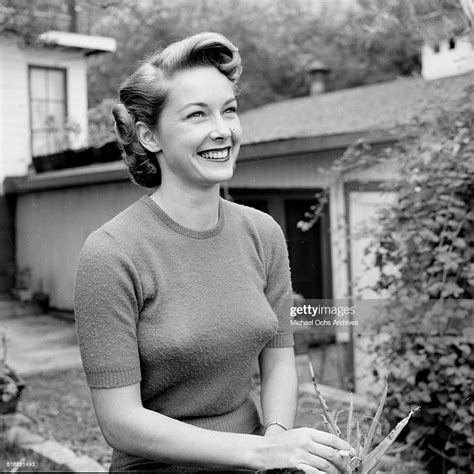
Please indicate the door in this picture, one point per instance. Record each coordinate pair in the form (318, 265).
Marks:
(305, 251)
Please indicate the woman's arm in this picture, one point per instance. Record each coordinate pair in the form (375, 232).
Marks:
(131, 428)
(279, 387)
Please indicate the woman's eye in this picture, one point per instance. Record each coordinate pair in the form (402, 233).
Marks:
(197, 114)
(231, 110)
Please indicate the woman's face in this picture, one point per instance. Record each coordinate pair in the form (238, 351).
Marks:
(199, 131)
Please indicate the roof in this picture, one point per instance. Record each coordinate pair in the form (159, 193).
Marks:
(372, 107)
(87, 43)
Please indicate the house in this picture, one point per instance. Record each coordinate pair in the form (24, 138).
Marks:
(288, 150)
(289, 146)
(43, 109)
(447, 57)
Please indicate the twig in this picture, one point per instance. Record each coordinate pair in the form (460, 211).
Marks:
(440, 453)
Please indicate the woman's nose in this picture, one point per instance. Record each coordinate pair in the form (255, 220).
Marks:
(220, 130)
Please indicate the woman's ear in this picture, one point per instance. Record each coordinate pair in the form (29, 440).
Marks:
(147, 138)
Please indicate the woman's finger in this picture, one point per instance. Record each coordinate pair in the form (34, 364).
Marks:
(316, 460)
(312, 470)
(331, 440)
(330, 456)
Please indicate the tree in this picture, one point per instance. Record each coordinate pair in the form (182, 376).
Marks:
(278, 40)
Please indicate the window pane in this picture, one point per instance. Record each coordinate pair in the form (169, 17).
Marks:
(56, 85)
(38, 83)
(48, 110)
(40, 144)
(39, 113)
(56, 116)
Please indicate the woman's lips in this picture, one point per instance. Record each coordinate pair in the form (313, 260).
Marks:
(221, 154)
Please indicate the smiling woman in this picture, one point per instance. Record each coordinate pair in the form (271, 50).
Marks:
(180, 295)
(198, 135)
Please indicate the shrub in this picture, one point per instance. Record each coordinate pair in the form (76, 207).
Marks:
(101, 123)
(427, 237)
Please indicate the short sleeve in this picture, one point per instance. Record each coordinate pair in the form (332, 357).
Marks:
(106, 313)
(278, 288)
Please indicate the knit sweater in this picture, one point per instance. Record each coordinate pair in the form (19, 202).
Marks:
(184, 312)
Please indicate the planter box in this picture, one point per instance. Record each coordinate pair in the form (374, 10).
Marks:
(55, 161)
(75, 158)
(109, 152)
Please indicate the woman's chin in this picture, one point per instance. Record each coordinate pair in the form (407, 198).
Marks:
(221, 175)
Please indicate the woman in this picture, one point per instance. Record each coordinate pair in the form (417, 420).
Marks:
(180, 294)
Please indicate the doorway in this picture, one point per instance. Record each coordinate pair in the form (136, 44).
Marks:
(309, 252)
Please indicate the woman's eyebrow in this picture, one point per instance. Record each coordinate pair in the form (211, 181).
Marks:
(203, 104)
(198, 104)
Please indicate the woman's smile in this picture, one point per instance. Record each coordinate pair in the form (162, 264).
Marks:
(217, 154)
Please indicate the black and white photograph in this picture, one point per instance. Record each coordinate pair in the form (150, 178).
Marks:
(236, 236)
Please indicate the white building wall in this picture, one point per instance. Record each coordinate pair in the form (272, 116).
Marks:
(14, 111)
(15, 147)
(447, 62)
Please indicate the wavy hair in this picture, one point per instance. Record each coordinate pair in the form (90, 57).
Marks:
(144, 93)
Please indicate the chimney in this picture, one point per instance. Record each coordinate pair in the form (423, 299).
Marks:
(72, 10)
(318, 74)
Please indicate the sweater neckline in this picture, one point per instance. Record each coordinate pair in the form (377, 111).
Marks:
(180, 229)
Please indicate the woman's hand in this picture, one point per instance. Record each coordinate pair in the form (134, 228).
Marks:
(304, 448)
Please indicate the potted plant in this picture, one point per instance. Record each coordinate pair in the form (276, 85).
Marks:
(37, 300)
(11, 383)
(23, 291)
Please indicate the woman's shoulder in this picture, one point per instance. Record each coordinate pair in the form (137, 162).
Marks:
(252, 218)
(121, 229)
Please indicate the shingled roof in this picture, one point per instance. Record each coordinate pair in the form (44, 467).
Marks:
(359, 109)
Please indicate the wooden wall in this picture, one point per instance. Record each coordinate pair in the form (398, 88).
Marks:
(52, 224)
(51, 227)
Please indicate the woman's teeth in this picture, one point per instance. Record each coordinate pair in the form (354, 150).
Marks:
(215, 155)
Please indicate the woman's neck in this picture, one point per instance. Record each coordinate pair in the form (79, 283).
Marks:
(194, 209)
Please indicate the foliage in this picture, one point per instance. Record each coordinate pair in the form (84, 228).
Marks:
(424, 254)
(25, 20)
(11, 384)
(101, 123)
(427, 237)
(370, 41)
(366, 460)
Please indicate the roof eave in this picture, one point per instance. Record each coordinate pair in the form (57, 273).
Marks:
(299, 145)
(87, 43)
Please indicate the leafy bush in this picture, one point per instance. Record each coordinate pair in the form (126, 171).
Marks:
(426, 236)
(423, 337)
(101, 123)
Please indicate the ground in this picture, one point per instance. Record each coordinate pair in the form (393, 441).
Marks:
(59, 406)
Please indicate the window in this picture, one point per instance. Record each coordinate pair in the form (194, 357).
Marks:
(48, 110)
(436, 48)
(452, 43)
